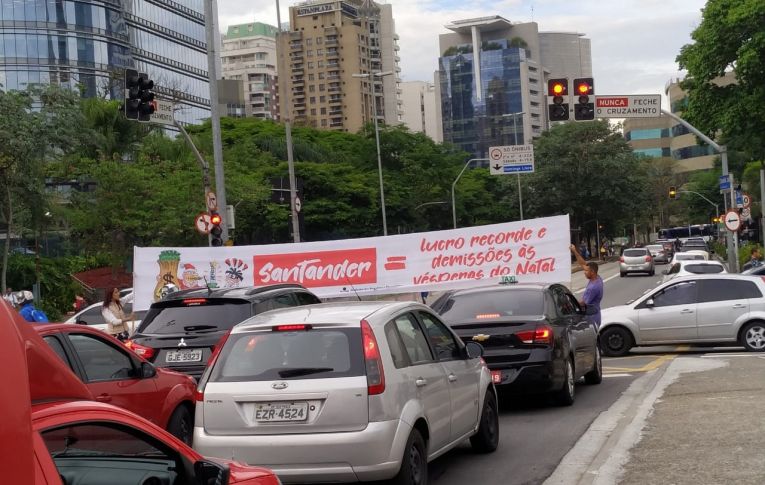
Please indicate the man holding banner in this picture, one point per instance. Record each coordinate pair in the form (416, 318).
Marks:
(593, 294)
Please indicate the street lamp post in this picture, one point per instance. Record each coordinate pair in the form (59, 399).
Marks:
(515, 142)
(454, 207)
(377, 140)
(290, 156)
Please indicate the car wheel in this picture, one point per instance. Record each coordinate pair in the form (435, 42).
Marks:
(753, 337)
(565, 397)
(181, 424)
(622, 274)
(616, 341)
(486, 439)
(595, 376)
(414, 464)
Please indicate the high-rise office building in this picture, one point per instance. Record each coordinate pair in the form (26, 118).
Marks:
(491, 82)
(89, 44)
(249, 55)
(418, 99)
(329, 61)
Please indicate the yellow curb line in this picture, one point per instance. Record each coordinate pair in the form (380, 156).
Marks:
(646, 368)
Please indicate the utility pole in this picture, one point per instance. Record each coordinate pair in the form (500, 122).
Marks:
(285, 101)
(732, 241)
(203, 165)
(212, 36)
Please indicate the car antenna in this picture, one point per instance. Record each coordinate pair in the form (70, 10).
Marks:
(352, 287)
(207, 284)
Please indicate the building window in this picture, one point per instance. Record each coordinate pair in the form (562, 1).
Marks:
(310, 77)
(313, 111)
(312, 88)
(324, 111)
(310, 65)
(309, 53)
(322, 87)
(308, 41)
(321, 75)
(319, 52)
(320, 64)
(323, 99)
(324, 122)
(313, 99)
(318, 40)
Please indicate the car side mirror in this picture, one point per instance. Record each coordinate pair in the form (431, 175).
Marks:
(211, 473)
(650, 303)
(473, 350)
(147, 370)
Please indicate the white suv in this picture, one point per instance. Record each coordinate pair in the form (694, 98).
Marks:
(344, 392)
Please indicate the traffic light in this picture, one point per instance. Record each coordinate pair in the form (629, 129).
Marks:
(139, 98)
(584, 108)
(557, 91)
(673, 192)
(132, 100)
(215, 230)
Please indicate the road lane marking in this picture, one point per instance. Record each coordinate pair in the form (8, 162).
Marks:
(653, 365)
(617, 375)
(682, 348)
(725, 356)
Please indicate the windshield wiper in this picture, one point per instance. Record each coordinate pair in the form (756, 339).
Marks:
(303, 371)
(194, 328)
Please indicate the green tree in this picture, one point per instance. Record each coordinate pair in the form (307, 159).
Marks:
(588, 170)
(731, 36)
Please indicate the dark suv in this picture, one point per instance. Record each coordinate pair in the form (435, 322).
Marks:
(182, 330)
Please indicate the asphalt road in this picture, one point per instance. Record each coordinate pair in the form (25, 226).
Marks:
(534, 433)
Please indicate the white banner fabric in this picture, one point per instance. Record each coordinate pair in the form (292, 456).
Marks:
(528, 251)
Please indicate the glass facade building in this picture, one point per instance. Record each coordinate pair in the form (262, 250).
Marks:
(474, 122)
(87, 45)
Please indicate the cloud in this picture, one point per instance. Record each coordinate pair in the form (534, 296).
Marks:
(634, 42)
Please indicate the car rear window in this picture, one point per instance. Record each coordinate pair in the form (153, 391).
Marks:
(631, 253)
(655, 247)
(704, 268)
(689, 257)
(491, 305)
(305, 354)
(195, 315)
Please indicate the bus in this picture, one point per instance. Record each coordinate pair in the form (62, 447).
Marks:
(707, 231)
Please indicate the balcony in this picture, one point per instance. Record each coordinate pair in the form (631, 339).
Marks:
(331, 41)
(333, 53)
(334, 89)
(336, 112)
(298, 82)
(336, 124)
(335, 99)
(328, 31)
(333, 64)
(296, 56)
(297, 67)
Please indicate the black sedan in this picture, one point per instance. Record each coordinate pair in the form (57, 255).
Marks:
(537, 339)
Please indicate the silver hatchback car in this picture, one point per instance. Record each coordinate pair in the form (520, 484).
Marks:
(344, 392)
(636, 260)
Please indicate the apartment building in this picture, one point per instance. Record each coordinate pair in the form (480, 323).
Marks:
(249, 55)
(339, 65)
(418, 100)
(491, 82)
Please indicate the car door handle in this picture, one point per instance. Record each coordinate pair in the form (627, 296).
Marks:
(420, 382)
(686, 311)
(452, 378)
(104, 398)
(739, 305)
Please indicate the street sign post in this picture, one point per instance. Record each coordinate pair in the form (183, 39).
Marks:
(163, 112)
(628, 106)
(724, 182)
(732, 221)
(508, 159)
(739, 199)
(202, 223)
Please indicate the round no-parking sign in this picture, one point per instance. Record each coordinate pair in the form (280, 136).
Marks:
(732, 221)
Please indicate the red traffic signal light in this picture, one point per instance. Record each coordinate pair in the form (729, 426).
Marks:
(558, 109)
(216, 231)
(584, 109)
(215, 219)
(557, 87)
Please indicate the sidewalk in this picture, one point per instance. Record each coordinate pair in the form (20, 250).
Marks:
(696, 420)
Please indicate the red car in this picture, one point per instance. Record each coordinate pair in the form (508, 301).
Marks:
(54, 433)
(116, 375)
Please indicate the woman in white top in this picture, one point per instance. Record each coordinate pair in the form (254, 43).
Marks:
(114, 315)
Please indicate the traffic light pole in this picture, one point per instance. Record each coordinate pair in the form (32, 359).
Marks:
(212, 37)
(454, 207)
(202, 163)
(732, 242)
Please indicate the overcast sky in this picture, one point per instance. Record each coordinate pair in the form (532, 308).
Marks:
(634, 42)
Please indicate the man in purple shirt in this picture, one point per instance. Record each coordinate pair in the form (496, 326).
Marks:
(593, 294)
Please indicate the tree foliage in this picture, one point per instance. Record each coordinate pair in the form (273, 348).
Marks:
(731, 36)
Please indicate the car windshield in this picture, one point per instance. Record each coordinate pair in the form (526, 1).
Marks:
(491, 304)
(704, 268)
(633, 253)
(195, 315)
(302, 354)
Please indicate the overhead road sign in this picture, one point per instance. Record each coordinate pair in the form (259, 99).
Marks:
(628, 106)
(511, 159)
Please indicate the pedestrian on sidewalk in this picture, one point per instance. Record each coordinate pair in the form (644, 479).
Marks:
(593, 293)
(755, 261)
(10, 297)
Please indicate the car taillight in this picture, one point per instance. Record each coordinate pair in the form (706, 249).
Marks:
(542, 334)
(142, 350)
(373, 361)
(621, 259)
(647, 259)
(217, 348)
(194, 301)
